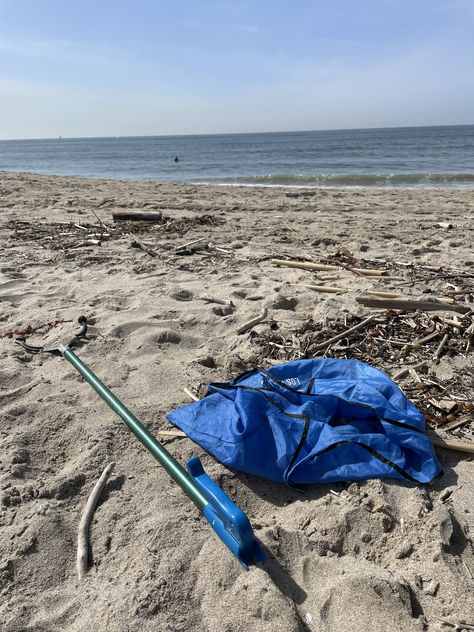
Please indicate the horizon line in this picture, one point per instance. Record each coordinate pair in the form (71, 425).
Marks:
(297, 131)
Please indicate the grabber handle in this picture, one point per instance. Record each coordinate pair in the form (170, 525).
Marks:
(228, 521)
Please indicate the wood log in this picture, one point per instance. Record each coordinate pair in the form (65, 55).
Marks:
(412, 305)
(137, 216)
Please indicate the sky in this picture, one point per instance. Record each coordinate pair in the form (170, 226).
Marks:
(144, 67)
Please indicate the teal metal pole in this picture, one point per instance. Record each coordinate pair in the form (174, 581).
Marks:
(174, 469)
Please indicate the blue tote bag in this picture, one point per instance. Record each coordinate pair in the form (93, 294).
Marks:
(312, 421)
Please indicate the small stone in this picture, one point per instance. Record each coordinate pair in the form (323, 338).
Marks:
(404, 551)
(431, 588)
(366, 537)
(379, 508)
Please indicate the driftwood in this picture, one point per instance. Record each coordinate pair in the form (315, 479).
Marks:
(251, 323)
(322, 266)
(320, 288)
(412, 305)
(449, 444)
(83, 533)
(137, 216)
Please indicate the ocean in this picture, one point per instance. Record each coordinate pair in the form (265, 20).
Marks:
(403, 157)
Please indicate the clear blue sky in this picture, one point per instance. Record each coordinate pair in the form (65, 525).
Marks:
(110, 67)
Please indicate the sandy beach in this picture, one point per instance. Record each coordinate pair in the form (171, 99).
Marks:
(165, 301)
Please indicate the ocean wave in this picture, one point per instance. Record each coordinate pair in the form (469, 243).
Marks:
(356, 180)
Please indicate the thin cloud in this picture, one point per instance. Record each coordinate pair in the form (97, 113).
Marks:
(68, 51)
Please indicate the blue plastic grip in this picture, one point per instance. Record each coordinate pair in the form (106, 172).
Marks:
(228, 521)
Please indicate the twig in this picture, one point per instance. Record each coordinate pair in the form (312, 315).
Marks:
(451, 425)
(428, 338)
(190, 243)
(190, 394)
(383, 294)
(322, 266)
(171, 433)
(468, 569)
(251, 323)
(349, 268)
(149, 251)
(83, 533)
(323, 345)
(415, 376)
(406, 369)
(442, 344)
(320, 288)
(457, 625)
(98, 219)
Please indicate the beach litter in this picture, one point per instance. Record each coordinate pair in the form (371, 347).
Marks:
(312, 421)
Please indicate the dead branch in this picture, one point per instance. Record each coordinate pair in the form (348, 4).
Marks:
(83, 533)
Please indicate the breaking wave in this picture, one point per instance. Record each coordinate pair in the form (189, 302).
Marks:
(376, 180)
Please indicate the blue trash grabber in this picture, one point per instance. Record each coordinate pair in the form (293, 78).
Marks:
(228, 521)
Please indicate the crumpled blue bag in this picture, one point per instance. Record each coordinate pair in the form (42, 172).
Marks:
(312, 421)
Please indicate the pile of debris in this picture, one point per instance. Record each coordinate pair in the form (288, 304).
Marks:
(68, 235)
(407, 346)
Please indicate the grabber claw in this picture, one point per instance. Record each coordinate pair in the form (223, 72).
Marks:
(228, 521)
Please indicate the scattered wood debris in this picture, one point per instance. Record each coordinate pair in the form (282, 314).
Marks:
(388, 341)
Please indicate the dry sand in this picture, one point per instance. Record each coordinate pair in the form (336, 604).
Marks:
(378, 555)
